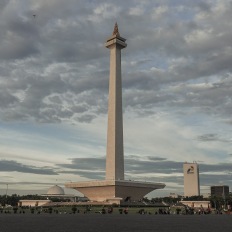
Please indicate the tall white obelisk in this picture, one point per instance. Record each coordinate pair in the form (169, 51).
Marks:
(114, 189)
(115, 151)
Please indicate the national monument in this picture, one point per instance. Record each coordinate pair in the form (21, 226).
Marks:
(115, 189)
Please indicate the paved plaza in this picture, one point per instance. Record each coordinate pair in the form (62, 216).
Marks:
(111, 223)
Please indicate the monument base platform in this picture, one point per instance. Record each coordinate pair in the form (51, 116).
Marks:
(114, 191)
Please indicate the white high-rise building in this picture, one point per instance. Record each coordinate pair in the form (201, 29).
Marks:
(191, 179)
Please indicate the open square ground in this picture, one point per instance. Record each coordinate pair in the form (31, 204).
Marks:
(114, 222)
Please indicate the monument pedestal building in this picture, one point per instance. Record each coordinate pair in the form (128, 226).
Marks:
(114, 188)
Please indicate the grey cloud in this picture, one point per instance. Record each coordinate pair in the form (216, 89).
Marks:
(204, 6)
(3, 4)
(80, 108)
(132, 165)
(28, 183)
(92, 168)
(209, 180)
(152, 166)
(94, 175)
(209, 174)
(13, 166)
(7, 99)
(19, 40)
(54, 67)
(86, 164)
(211, 65)
(205, 98)
(143, 80)
(86, 118)
(143, 168)
(60, 59)
(208, 137)
(156, 158)
(178, 180)
(211, 138)
(221, 167)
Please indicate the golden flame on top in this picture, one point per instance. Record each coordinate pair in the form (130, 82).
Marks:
(116, 32)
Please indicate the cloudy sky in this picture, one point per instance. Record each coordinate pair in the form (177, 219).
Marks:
(177, 85)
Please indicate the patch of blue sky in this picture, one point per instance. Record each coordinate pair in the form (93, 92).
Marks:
(53, 139)
(47, 137)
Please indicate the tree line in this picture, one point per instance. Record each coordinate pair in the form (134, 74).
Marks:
(14, 199)
(217, 202)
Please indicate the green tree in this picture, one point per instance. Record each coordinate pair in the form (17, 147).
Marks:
(74, 209)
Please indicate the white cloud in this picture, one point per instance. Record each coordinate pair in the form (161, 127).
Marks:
(159, 11)
(137, 11)
(104, 11)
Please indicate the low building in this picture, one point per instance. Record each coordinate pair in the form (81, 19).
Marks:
(197, 204)
(55, 192)
(32, 203)
(220, 190)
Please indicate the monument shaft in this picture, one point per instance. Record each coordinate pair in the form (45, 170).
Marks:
(115, 151)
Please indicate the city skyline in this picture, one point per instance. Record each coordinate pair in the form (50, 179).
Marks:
(176, 76)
